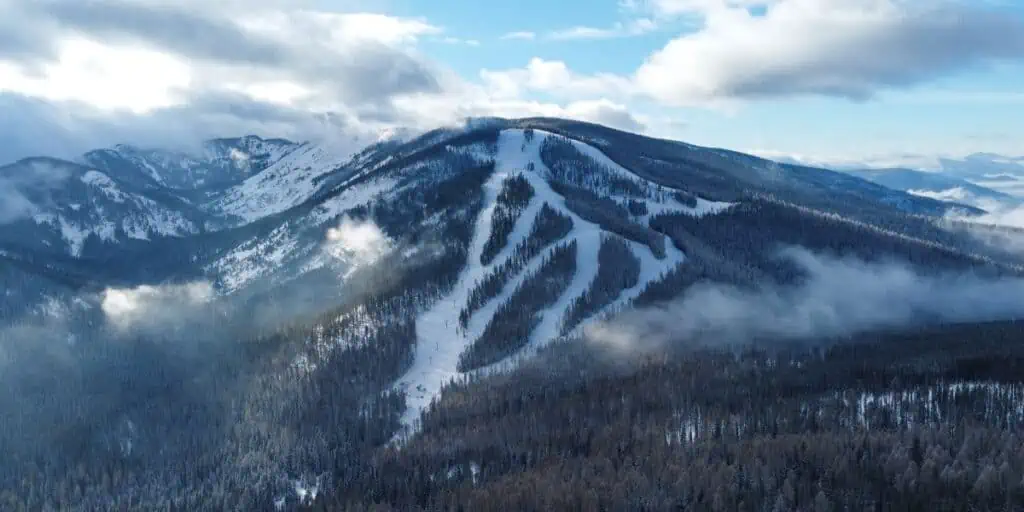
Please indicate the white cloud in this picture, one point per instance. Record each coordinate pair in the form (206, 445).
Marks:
(553, 77)
(848, 48)
(688, 7)
(632, 28)
(155, 306)
(357, 243)
(102, 75)
(840, 297)
(156, 72)
(524, 35)
(26, 186)
(456, 40)
(108, 58)
(606, 112)
(13, 204)
(999, 215)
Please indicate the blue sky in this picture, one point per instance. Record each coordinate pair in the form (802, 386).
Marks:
(830, 79)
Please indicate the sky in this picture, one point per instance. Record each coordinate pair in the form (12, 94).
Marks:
(822, 79)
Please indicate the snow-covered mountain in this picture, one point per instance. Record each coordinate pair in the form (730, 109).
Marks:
(58, 206)
(376, 279)
(941, 185)
(252, 212)
(984, 180)
(218, 164)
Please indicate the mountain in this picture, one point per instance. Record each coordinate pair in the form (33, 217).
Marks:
(322, 322)
(999, 173)
(220, 163)
(56, 205)
(984, 166)
(939, 185)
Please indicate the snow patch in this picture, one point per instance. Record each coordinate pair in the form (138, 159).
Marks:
(352, 197)
(254, 259)
(106, 185)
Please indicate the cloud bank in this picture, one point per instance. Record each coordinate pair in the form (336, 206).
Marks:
(840, 297)
(845, 48)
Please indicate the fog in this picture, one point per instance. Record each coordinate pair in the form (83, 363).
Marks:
(74, 376)
(154, 307)
(839, 297)
(357, 243)
(21, 183)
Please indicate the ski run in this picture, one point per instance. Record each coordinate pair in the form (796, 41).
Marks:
(440, 341)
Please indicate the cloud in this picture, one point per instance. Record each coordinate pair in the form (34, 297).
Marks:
(72, 76)
(13, 204)
(635, 27)
(1013, 217)
(553, 77)
(456, 40)
(522, 35)
(26, 185)
(357, 243)
(606, 112)
(156, 73)
(839, 297)
(65, 129)
(155, 308)
(845, 48)
(359, 57)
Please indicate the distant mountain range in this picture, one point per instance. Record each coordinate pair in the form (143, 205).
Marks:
(983, 180)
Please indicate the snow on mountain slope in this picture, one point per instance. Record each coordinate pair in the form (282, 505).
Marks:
(295, 247)
(941, 186)
(66, 206)
(216, 164)
(285, 184)
(261, 257)
(439, 341)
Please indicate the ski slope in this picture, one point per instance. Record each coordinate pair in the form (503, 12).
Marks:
(440, 341)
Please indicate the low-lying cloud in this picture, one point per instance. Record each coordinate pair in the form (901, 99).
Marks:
(155, 307)
(839, 297)
(1001, 228)
(25, 185)
(13, 204)
(356, 242)
(1013, 217)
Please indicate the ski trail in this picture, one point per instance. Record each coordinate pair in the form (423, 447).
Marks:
(438, 343)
